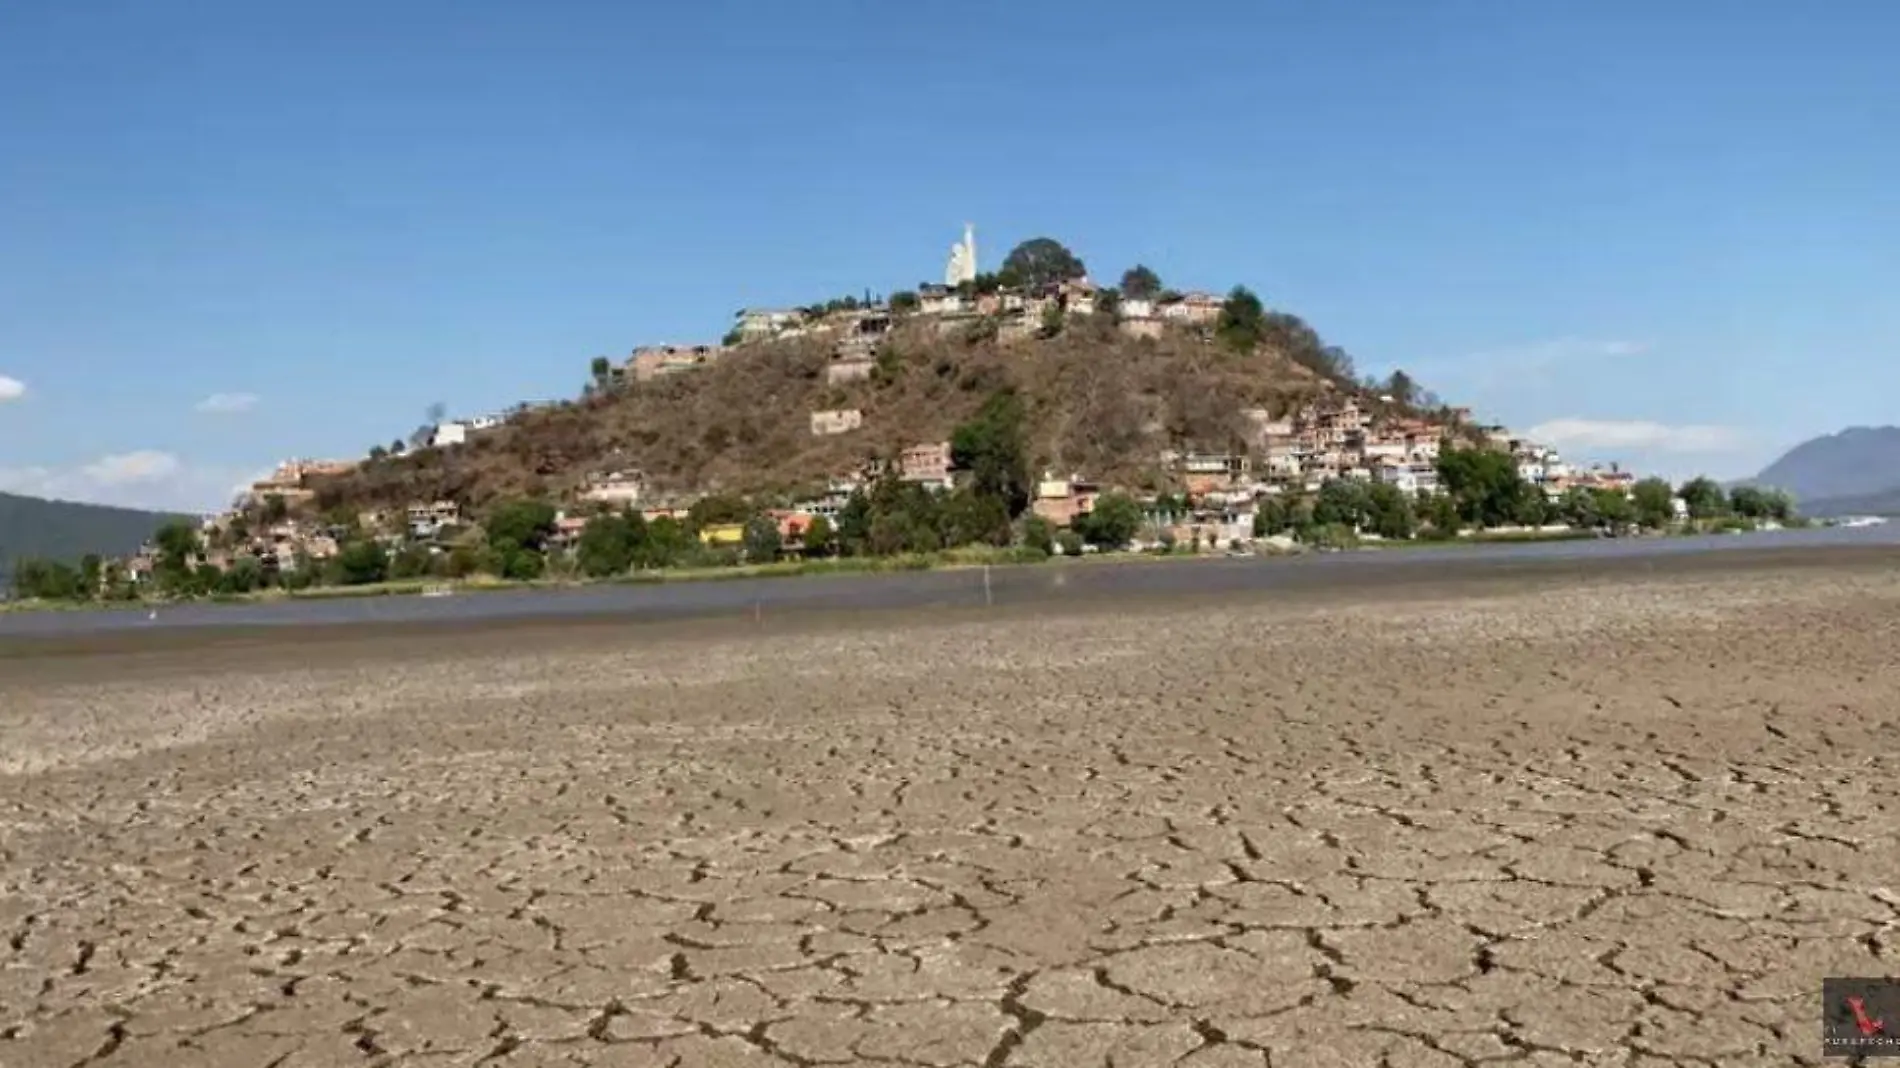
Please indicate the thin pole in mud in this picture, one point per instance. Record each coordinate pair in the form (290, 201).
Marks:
(757, 611)
(988, 601)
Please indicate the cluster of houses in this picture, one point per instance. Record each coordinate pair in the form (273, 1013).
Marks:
(856, 332)
(1290, 454)
(1286, 454)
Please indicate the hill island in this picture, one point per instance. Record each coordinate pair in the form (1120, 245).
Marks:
(1014, 414)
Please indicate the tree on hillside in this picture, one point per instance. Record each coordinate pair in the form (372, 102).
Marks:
(718, 509)
(1242, 323)
(1108, 301)
(1140, 283)
(601, 369)
(1053, 318)
(903, 302)
(520, 526)
(990, 445)
(1042, 261)
(1704, 498)
(1654, 500)
(1401, 388)
(431, 418)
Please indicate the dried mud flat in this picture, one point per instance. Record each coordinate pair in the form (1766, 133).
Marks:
(1593, 822)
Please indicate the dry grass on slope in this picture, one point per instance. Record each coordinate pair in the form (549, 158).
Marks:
(1098, 402)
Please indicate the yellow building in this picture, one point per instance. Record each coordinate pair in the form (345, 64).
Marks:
(723, 534)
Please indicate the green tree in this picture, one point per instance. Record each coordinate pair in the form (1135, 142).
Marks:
(1270, 518)
(606, 546)
(1532, 508)
(523, 525)
(667, 543)
(903, 302)
(1108, 302)
(762, 542)
(1140, 283)
(1112, 523)
(412, 561)
(1342, 502)
(521, 565)
(47, 580)
(1070, 543)
(1704, 498)
(1039, 535)
(1442, 515)
(361, 563)
(990, 446)
(902, 517)
(178, 546)
(971, 518)
(1654, 501)
(1042, 261)
(91, 575)
(1052, 319)
(1243, 320)
(719, 509)
(601, 369)
(854, 524)
(818, 536)
(1389, 512)
(245, 574)
(1616, 510)
(1754, 502)
(276, 510)
(1578, 508)
(1484, 483)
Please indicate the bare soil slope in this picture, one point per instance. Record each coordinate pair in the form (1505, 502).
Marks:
(1098, 402)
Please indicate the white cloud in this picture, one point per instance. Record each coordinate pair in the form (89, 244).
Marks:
(1636, 434)
(132, 468)
(146, 478)
(227, 403)
(11, 389)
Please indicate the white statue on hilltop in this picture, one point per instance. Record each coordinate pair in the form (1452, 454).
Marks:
(962, 265)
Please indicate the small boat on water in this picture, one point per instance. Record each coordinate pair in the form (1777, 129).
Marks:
(1863, 521)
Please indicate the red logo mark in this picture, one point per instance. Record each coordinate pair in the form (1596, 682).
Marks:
(1869, 1025)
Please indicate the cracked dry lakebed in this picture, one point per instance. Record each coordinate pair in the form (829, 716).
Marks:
(1603, 817)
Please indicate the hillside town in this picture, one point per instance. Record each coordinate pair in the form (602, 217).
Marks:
(1334, 469)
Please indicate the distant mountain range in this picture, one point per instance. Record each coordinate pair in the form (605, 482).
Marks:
(64, 530)
(1854, 472)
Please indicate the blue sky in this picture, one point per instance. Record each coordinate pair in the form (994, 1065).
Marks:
(1667, 234)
